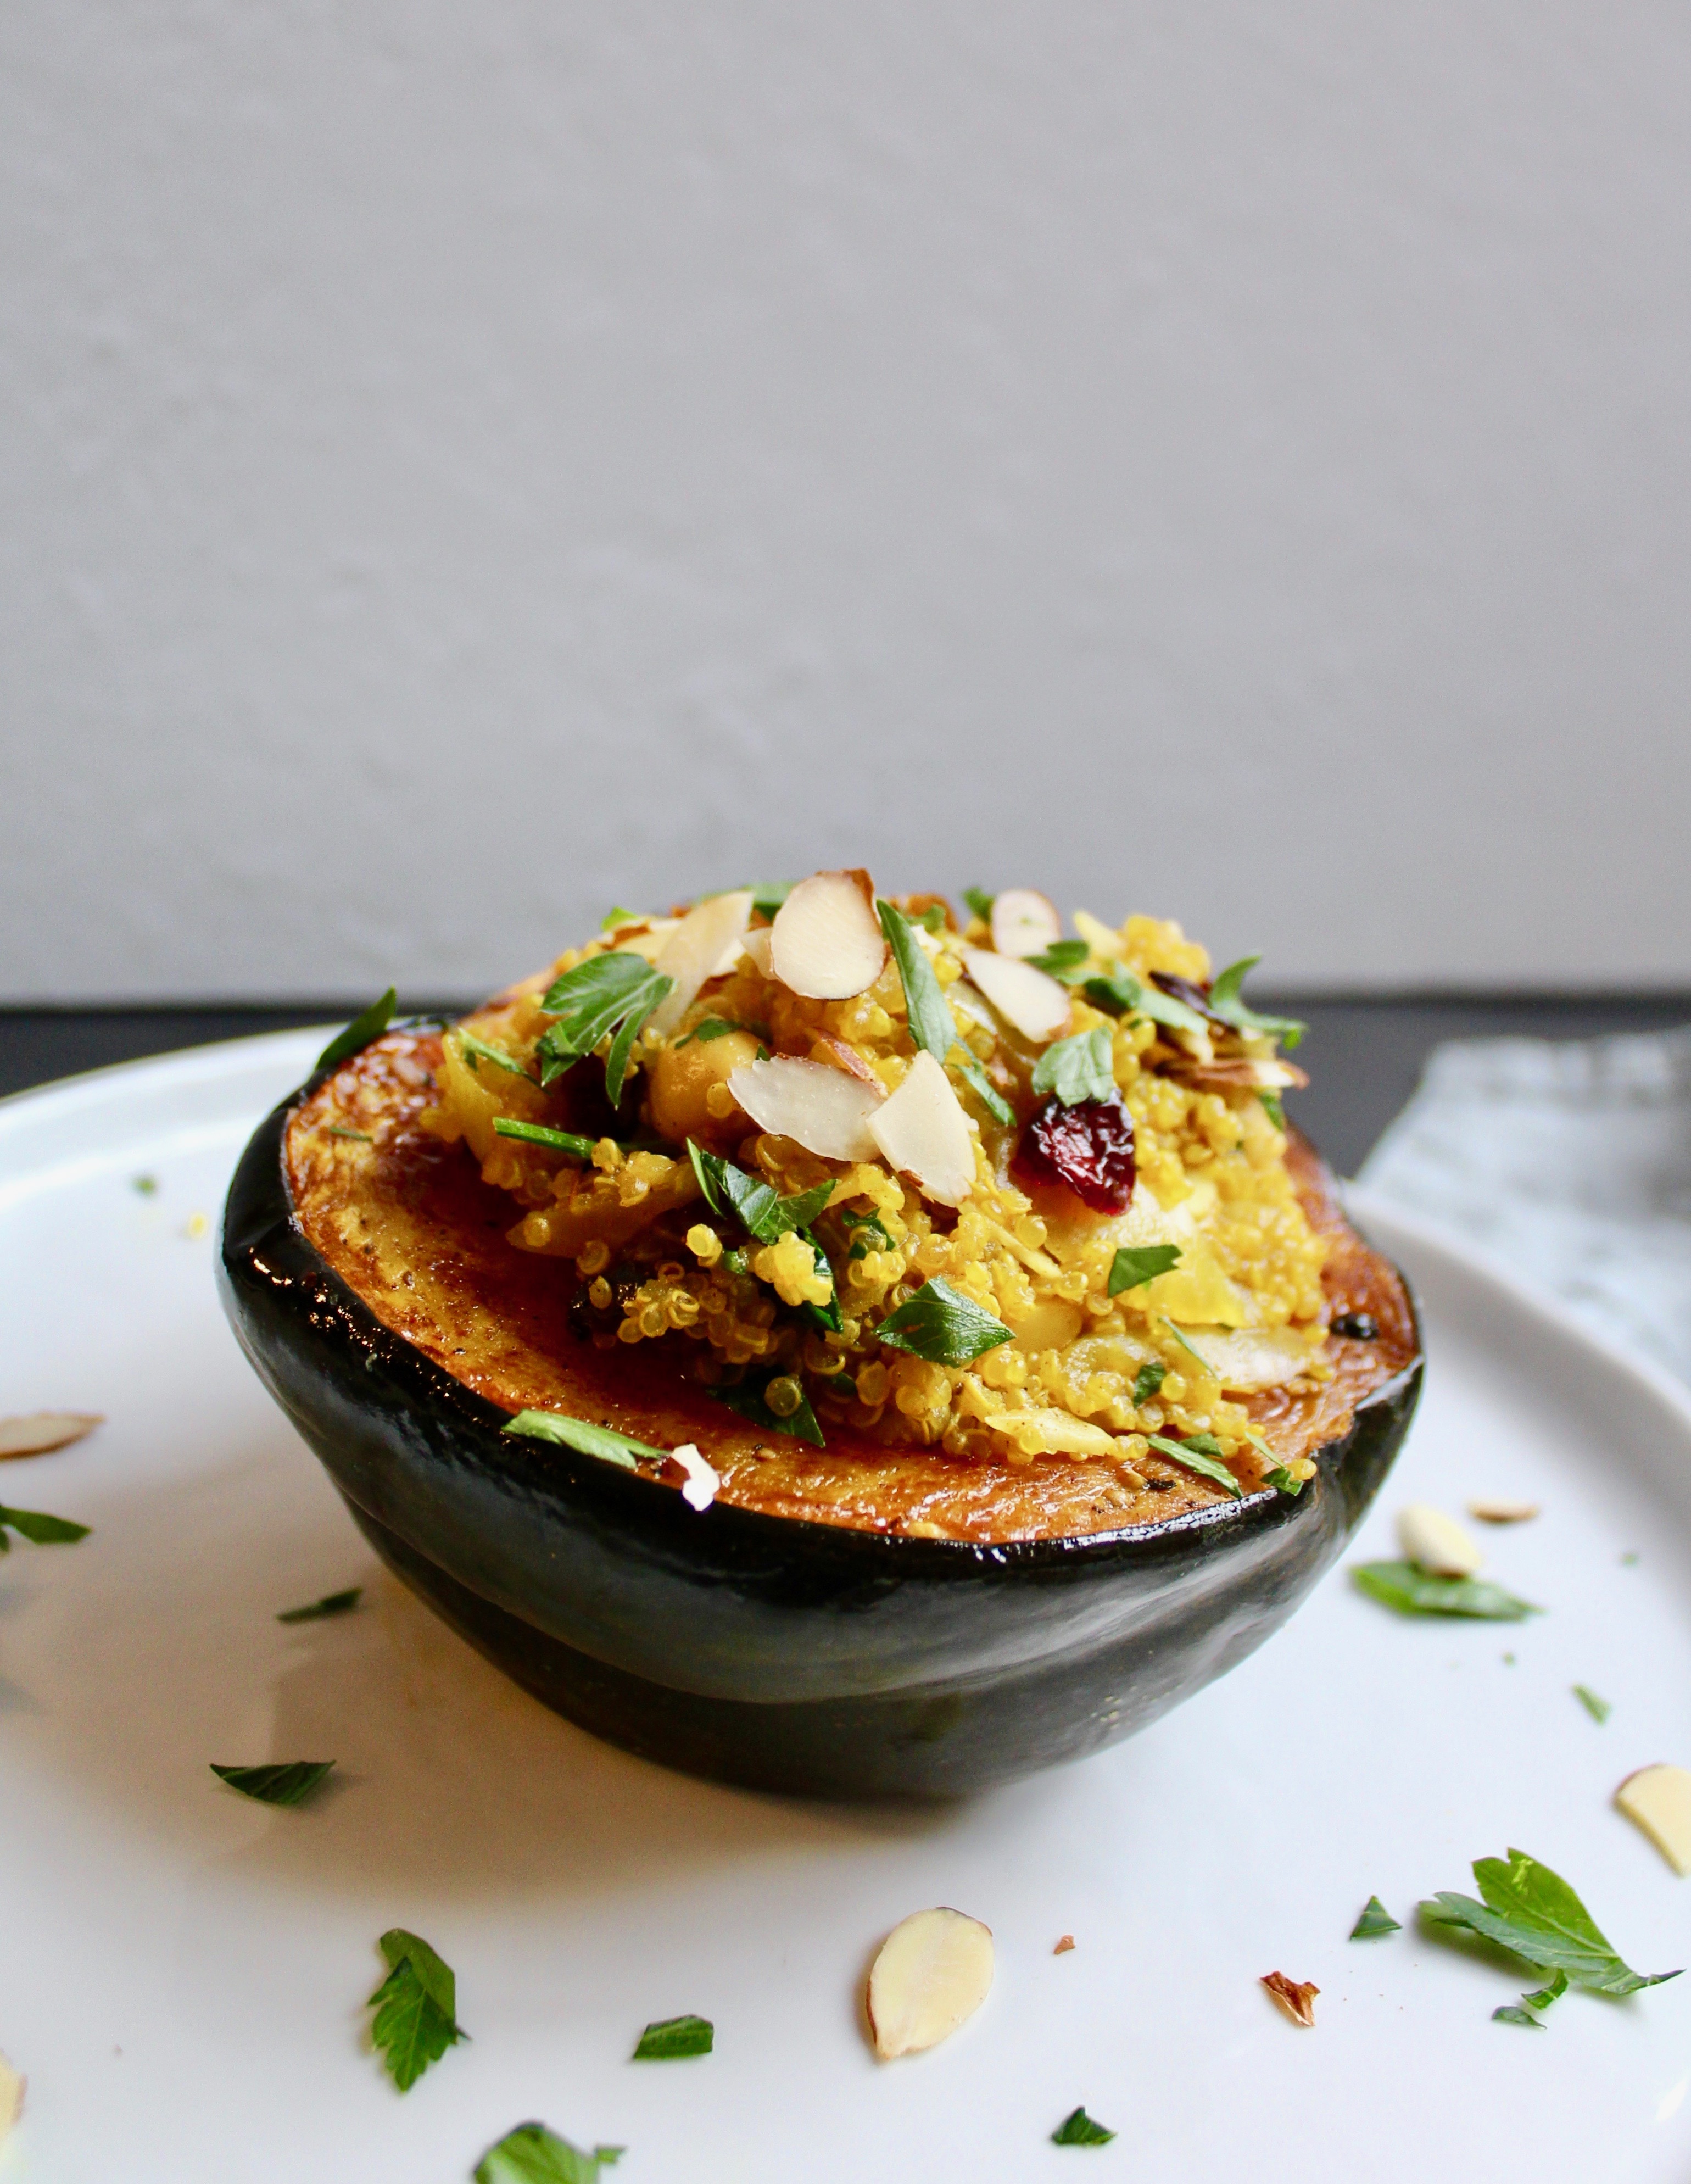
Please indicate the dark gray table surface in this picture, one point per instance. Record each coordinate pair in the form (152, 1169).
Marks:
(1364, 1055)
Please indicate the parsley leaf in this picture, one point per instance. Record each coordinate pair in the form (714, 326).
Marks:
(1226, 1002)
(416, 2008)
(1062, 961)
(1375, 1919)
(1151, 1375)
(1077, 1068)
(1199, 1452)
(1273, 1108)
(714, 1027)
(286, 1782)
(1535, 1915)
(616, 917)
(42, 1531)
(873, 1235)
(539, 1134)
(358, 1033)
(1546, 1995)
(1512, 2013)
(477, 1050)
(747, 1402)
(1077, 2128)
(607, 992)
(768, 895)
(331, 1603)
(1412, 1591)
(671, 2039)
(532, 2154)
(942, 1326)
(602, 1441)
(929, 1012)
(764, 1213)
(1598, 1709)
(976, 1077)
(1191, 1350)
(1119, 994)
(980, 902)
(1131, 1267)
(1283, 1481)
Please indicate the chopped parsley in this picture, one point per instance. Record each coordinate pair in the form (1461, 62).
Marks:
(1064, 959)
(146, 1185)
(416, 2008)
(358, 1033)
(714, 1027)
(749, 1401)
(1598, 1709)
(976, 1077)
(1119, 994)
(872, 1234)
(609, 994)
(582, 1433)
(1413, 1590)
(286, 1782)
(42, 1531)
(768, 895)
(1077, 1068)
(532, 2154)
(671, 2039)
(336, 1130)
(331, 1603)
(476, 1050)
(980, 902)
(1202, 1453)
(942, 1326)
(1226, 1002)
(1134, 1266)
(932, 1025)
(764, 1213)
(1283, 1480)
(932, 919)
(1273, 1108)
(1535, 1914)
(539, 1134)
(1375, 1920)
(1077, 2128)
(619, 915)
(1191, 1350)
(1152, 1375)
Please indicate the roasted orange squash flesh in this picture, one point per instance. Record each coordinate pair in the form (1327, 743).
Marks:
(407, 1223)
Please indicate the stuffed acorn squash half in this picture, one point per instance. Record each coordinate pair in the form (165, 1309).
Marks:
(817, 1343)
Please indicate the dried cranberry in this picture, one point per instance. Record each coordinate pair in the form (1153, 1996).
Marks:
(1088, 1146)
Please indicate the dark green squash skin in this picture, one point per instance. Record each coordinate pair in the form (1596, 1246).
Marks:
(783, 1655)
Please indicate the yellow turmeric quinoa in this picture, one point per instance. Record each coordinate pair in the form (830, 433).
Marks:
(984, 1189)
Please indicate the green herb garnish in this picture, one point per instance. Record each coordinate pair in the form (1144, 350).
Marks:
(532, 2154)
(1522, 2013)
(1119, 994)
(932, 919)
(602, 1441)
(871, 1237)
(1376, 1919)
(1077, 1068)
(334, 1130)
(1598, 1709)
(416, 2008)
(969, 1068)
(145, 1184)
(613, 992)
(477, 1050)
(929, 1012)
(747, 1402)
(942, 1326)
(714, 1027)
(764, 1213)
(539, 1134)
(41, 1531)
(768, 895)
(1202, 1453)
(331, 1603)
(1225, 1001)
(1078, 2129)
(1063, 960)
(1273, 1108)
(1512, 2013)
(1191, 1350)
(1413, 1592)
(1133, 1267)
(288, 1782)
(1282, 1481)
(358, 1033)
(980, 902)
(1535, 1914)
(619, 915)
(672, 2038)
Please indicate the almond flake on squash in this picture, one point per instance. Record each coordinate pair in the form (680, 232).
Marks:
(1297, 1997)
(11, 2098)
(1245, 1360)
(1437, 1543)
(1030, 999)
(756, 944)
(931, 1972)
(42, 1431)
(922, 1131)
(1023, 921)
(698, 1488)
(1658, 1799)
(826, 942)
(694, 951)
(1503, 1512)
(821, 1108)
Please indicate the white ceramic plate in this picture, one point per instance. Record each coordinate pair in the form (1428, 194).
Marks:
(182, 1971)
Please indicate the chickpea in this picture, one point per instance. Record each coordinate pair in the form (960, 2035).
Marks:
(682, 1079)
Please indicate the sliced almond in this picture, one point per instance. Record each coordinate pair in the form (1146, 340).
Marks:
(1658, 1799)
(1066, 1942)
(1052, 1432)
(698, 1488)
(1246, 1360)
(922, 1131)
(1503, 1512)
(756, 944)
(1437, 1543)
(1032, 1001)
(827, 940)
(11, 2098)
(1297, 1997)
(838, 1055)
(692, 952)
(44, 1430)
(1024, 923)
(823, 1109)
(932, 1972)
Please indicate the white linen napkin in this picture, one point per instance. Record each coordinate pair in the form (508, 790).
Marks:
(1569, 1161)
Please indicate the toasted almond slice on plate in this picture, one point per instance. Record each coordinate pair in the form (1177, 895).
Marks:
(821, 1108)
(695, 950)
(45, 1430)
(1502, 1513)
(922, 1131)
(1438, 1543)
(931, 1972)
(1032, 1001)
(1024, 923)
(1297, 1997)
(827, 940)
(698, 1488)
(1658, 1799)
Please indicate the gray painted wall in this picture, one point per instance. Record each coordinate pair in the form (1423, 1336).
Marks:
(462, 467)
